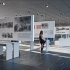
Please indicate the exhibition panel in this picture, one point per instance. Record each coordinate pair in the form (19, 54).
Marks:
(64, 42)
(62, 30)
(63, 35)
(16, 28)
(7, 29)
(24, 28)
(48, 28)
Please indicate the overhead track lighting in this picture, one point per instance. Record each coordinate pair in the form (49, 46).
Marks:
(3, 3)
(47, 6)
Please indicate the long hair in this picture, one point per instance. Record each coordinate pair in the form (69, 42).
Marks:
(41, 32)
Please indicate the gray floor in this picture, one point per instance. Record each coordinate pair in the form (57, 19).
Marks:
(37, 61)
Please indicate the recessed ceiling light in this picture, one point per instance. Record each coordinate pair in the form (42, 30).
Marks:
(47, 6)
(66, 17)
(3, 3)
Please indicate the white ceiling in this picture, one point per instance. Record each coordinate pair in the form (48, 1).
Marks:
(37, 8)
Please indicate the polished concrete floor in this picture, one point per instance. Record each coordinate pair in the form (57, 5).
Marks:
(37, 61)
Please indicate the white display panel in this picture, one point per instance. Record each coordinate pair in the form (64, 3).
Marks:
(64, 42)
(48, 28)
(24, 28)
(7, 29)
(18, 28)
(62, 30)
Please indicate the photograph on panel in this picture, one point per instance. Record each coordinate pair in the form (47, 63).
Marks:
(44, 25)
(7, 35)
(62, 28)
(22, 24)
(10, 25)
(6, 25)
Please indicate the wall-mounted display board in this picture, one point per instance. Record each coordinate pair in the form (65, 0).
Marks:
(62, 30)
(7, 29)
(18, 28)
(48, 28)
(24, 28)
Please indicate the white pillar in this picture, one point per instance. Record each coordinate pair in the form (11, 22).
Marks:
(8, 51)
(16, 49)
(1, 50)
(47, 45)
(31, 45)
(32, 33)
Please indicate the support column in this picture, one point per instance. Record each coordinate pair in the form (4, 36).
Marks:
(47, 45)
(8, 51)
(31, 45)
(16, 49)
(1, 50)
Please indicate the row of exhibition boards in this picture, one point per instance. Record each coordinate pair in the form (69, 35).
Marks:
(25, 29)
(22, 29)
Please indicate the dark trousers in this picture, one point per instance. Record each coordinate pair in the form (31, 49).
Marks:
(42, 46)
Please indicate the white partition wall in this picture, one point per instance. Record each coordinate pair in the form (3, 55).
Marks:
(48, 28)
(17, 28)
(24, 28)
(62, 30)
(64, 42)
(7, 29)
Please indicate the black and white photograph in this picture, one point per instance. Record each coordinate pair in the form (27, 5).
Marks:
(57, 29)
(6, 25)
(7, 35)
(22, 24)
(44, 25)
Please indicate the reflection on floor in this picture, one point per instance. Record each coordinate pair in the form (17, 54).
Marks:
(55, 59)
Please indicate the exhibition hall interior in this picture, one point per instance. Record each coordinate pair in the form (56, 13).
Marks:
(34, 34)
